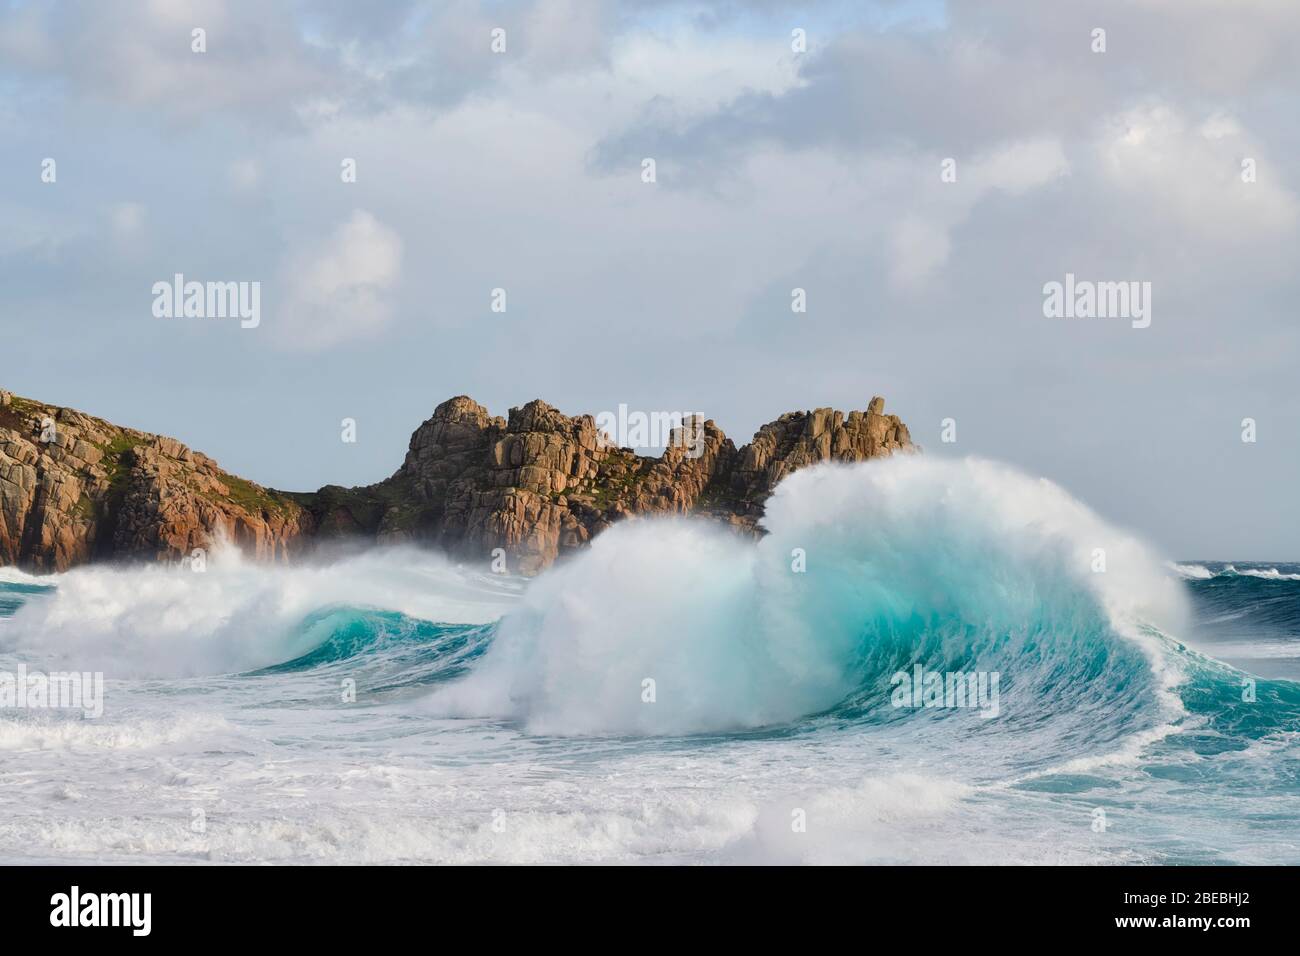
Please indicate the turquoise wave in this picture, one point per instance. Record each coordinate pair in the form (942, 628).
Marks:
(1065, 695)
(13, 594)
(1070, 686)
(391, 649)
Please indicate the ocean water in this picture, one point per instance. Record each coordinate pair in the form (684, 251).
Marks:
(677, 695)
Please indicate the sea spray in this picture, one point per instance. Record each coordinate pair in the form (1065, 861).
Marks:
(955, 565)
(1083, 725)
(133, 621)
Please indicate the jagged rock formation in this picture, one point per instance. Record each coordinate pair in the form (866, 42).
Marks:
(74, 488)
(539, 484)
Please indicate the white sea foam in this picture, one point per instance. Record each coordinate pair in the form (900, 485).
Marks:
(1268, 574)
(158, 621)
(969, 558)
(73, 734)
(1252, 650)
(11, 575)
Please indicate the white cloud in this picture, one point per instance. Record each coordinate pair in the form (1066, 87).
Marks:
(1190, 174)
(918, 247)
(139, 54)
(339, 288)
(1017, 168)
(921, 241)
(126, 219)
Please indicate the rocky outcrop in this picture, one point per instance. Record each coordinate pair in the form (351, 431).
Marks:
(540, 484)
(75, 488)
(535, 485)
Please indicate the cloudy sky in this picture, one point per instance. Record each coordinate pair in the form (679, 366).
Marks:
(775, 169)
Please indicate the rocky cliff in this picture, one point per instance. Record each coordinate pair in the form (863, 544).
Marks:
(74, 488)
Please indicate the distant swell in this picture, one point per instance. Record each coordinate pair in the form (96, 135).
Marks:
(1199, 572)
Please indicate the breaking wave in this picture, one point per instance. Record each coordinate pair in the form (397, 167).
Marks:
(674, 690)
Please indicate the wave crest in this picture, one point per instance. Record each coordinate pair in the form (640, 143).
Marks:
(965, 565)
(159, 621)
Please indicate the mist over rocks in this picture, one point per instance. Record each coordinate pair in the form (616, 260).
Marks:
(537, 484)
